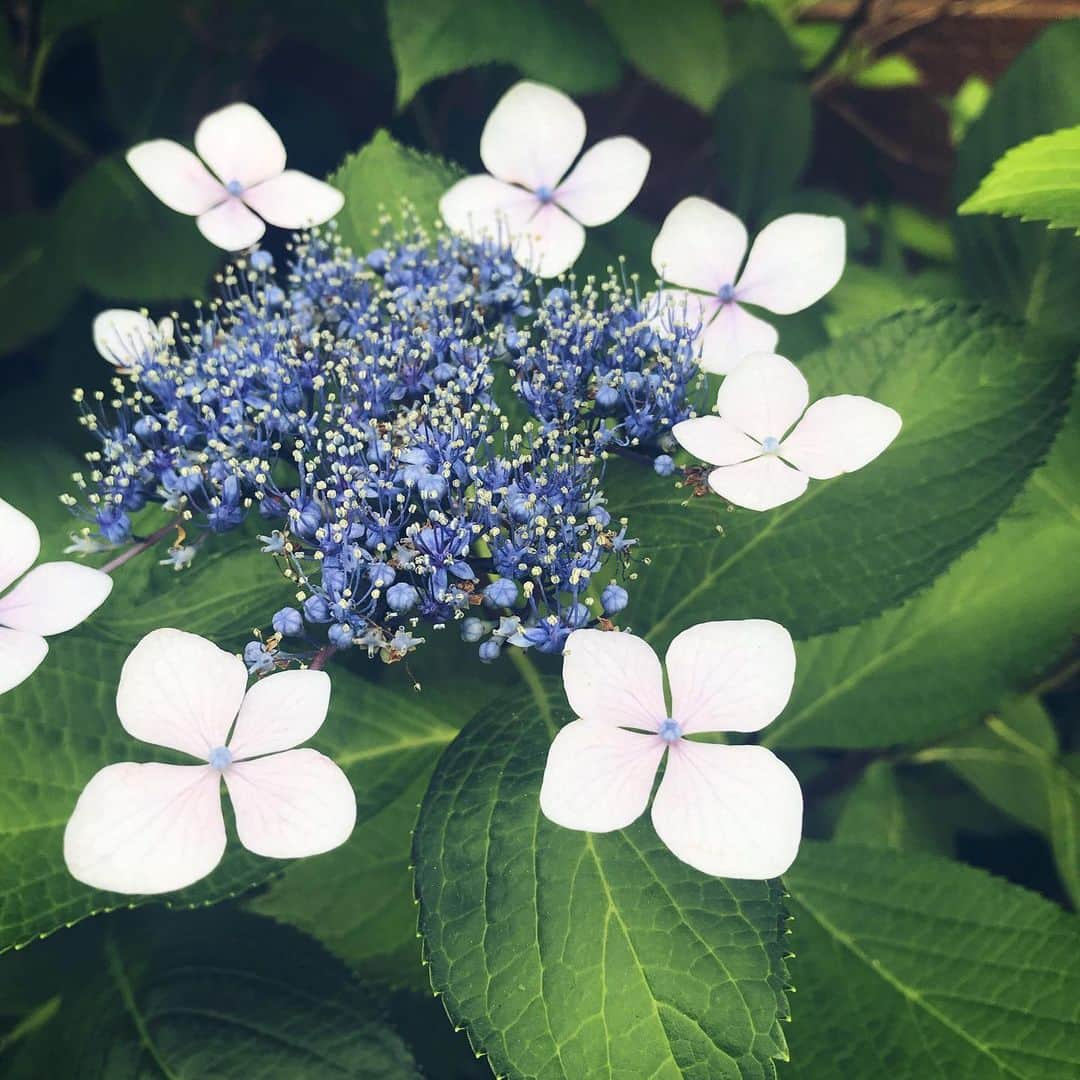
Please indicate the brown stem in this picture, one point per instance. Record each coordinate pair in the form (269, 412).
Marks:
(137, 548)
(318, 661)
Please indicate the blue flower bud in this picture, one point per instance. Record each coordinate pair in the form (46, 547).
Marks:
(472, 629)
(378, 260)
(489, 651)
(261, 261)
(614, 598)
(633, 381)
(501, 593)
(316, 610)
(381, 575)
(275, 297)
(607, 397)
(340, 635)
(402, 596)
(663, 465)
(289, 622)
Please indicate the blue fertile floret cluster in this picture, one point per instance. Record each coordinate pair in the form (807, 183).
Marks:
(361, 406)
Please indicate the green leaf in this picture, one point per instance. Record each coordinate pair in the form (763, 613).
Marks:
(755, 166)
(879, 812)
(1036, 181)
(1023, 268)
(376, 180)
(122, 243)
(212, 994)
(554, 41)
(986, 628)
(693, 50)
(888, 73)
(36, 287)
(569, 954)
(854, 546)
(913, 966)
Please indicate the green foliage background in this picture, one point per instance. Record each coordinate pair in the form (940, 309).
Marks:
(928, 925)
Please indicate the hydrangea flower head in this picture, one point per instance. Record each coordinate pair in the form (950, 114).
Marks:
(732, 811)
(794, 261)
(249, 183)
(766, 455)
(51, 599)
(529, 142)
(153, 828)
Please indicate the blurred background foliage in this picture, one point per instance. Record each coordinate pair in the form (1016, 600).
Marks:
(886, 113)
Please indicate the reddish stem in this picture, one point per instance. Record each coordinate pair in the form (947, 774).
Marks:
(318, 661)
(135, 549)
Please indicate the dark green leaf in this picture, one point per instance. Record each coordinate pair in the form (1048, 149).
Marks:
(756, 165)
(854, 546)
(122, 243)
(986, 628)
(913, 966)
(568, 954)
(554, 41)
(36, 286)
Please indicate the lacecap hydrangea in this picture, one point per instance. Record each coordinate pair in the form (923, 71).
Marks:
(361, 407)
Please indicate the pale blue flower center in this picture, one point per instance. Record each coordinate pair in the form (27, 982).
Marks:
(220, 758)
(726, 294)
(670, 730)
(770, 444)
(544, 193)
(234, 187)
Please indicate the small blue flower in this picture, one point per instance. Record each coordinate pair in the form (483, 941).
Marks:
(663, 465)
(258, 657)
(473, 629)
(489, 651)
(262, 261)
(340, 635)
(501, 593)
(614, 599)
(402, 596)
(316, 610)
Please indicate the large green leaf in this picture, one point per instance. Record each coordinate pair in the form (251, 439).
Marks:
(1023, 268)
(377, 178)
(554, 41)
(211, 994)
(980, 405)
(124, 244)
(568, 954)
(913, 966)
(1036, 181)
(692, 49)
(987, 627)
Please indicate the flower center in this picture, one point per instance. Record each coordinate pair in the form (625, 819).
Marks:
(544, 193)
(670, 730)
(770, 444)
(220, 758)
(234, 187)
(726, 294)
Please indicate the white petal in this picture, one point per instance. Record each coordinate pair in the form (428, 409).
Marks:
(763, 396)
(123, 337)
(550, 243)
(20, 543)
(20, 655)
(731, 811)
(532, 136)
(613, 678)
(54, 597)
(180, 690)
(146, 828)
(598, 777)
(292, 804)
(294, 200)
(730, 676)
(605, 181)
(840, 434)
(715, 440)
(231, 226)
(238, 143)
(176, 176)
(480, 206)
(732, 336)
(280, 712)
(700, 245)
(795, 260)
(760, 484)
